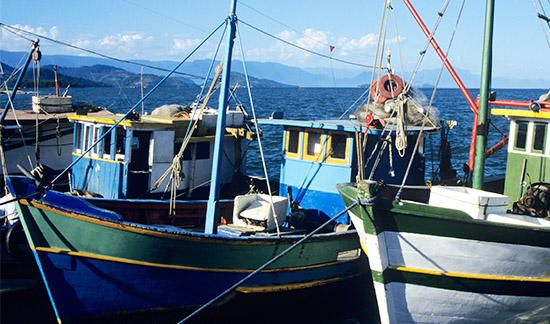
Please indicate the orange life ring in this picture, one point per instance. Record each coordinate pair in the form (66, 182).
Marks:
(381, 90)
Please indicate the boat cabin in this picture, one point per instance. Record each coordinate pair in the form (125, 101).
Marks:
(528, 152)
(316, 155)
(132, 157)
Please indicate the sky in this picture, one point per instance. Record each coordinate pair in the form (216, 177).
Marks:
(171, 29)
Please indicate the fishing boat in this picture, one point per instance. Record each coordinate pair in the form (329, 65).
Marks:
(128, 251)
(447, 254)
(41, 135)
(40, 139)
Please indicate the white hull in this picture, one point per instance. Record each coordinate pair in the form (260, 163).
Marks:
(437, 257)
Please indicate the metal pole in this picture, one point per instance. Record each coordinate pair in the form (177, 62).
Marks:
(212, 211)
(485, 88)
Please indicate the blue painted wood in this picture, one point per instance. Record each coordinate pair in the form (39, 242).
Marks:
(212, 213)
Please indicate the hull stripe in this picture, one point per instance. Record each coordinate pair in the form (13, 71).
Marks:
(476, 284)
(149, 264)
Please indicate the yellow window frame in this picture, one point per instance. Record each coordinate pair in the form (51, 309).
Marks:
(316, 156)
(329, 146)
(287, 142)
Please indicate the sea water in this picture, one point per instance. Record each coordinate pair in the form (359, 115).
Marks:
(350, 302)
(318, 104)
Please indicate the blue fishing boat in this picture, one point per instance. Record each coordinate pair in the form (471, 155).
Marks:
(126, 251)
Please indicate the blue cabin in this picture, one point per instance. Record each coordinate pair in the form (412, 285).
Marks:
(135, 155)
(316, 155)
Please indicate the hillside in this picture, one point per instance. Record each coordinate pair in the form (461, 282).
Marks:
(262, 74)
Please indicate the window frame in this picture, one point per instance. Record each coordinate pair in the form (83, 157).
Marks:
(317, 157)
(518, 123)
(287, 153)
(544, 139)
(333, 160)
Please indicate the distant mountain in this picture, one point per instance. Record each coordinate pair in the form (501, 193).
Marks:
(116, 77)
(47, 79)
(268, 74)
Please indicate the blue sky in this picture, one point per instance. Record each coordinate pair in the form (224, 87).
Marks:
(169, 30)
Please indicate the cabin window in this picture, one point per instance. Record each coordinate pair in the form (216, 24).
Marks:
(314, 145)
(78, 138)
(203, 151)
(540, 137)
(120, 143)
(86, 138)
(521, 134)
(95, 137)
(292, 144)
(337, 147)
(106, 143)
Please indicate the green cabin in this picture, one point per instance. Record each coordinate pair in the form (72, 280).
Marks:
(528, 151)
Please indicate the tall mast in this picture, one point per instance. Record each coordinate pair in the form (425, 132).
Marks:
(485, 88)
(33, 53)
(212, 211)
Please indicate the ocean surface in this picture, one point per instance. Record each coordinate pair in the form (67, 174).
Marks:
(349, 302)
(319, 104)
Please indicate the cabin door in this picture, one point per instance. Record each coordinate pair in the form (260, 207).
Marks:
(138, 178)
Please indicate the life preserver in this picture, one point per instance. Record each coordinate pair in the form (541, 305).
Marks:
(381, 89)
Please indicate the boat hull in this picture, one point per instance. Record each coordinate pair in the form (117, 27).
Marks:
(95, 264)
(438, 265)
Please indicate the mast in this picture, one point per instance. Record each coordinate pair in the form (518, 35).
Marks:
(485, 88)
(212, 211)
(33, 53)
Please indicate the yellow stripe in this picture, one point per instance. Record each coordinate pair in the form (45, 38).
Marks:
(127, 228)
(520, 113)
(470, 276)
(98, 159)
(159, 265)
(148, 121)
(294, 286)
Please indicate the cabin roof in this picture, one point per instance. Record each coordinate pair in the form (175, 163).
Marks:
(542, 114)
(346, 125)
(148, 121)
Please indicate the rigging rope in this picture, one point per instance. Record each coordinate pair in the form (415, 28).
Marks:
(418, 140)
(7, 27)
(542, 17)
(175, 169)
(134, 107)
(303, 48)
(255, 121)
(267, 264)
(423, 52)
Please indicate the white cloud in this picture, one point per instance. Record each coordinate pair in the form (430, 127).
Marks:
(121, 45)
(346, 45)
(20, 40)
(184, 45)
(311, 39)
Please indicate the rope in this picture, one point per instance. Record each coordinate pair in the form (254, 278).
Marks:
(134, 107)
(255, 121)
(175, 170)
(369, 201)
(303, 48)
(4, 164)
(267, 264)
(176, 162)
(398, 195)
(423, 52)
(400, 135)
(542, 17)
(7, 27)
